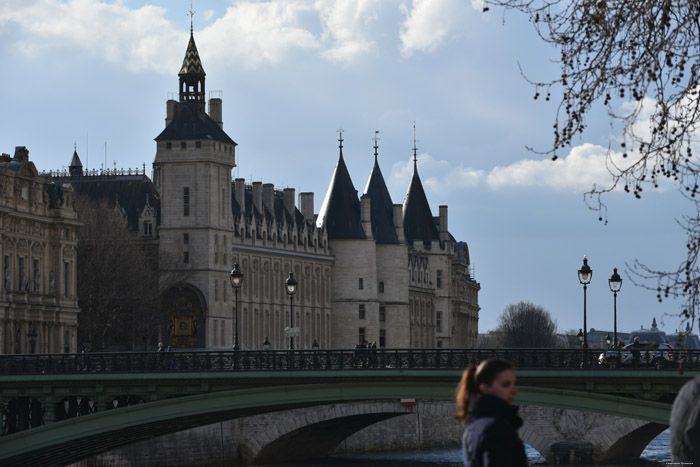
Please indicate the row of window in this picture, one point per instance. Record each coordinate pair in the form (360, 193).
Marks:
(33, 284)
(380, 285)
(382, 315)
(198, 145)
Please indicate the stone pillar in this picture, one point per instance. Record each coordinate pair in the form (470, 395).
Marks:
(240, 193)
(366, 215)
(398, 222)
(444, 235)
(170, 112)
(289, 201)
(215, 111)
(49, 406)
(306, 202)
(257, 195)
(268, 197)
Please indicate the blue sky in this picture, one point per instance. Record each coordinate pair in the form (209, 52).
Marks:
(292, 72)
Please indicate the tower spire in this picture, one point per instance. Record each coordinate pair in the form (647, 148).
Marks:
(415, 148)
(376, 144)
(340, 140)
(191, 14)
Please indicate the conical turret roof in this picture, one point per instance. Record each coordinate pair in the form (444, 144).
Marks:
(192, 64)
(418, 221)
(75, 161)
(382, 208)
(340, 211)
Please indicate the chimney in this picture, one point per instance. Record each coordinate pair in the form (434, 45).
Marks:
(257, 195)
(366, 215)
(240, 193)
(170, 112)
(398, 222)
(289, 202)
(21, 154)
(444, 235)
(306, 204)
(215, 110)
(268, 196)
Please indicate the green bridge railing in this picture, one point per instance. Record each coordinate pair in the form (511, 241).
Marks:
(243, 360)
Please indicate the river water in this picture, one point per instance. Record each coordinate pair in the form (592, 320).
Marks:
(657, 453)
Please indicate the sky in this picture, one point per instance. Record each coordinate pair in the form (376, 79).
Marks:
(96, 74)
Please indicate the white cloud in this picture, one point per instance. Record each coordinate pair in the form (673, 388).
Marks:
(584, 167)
(345, 34)
(139, 39)
(250, 33)
(430, 23)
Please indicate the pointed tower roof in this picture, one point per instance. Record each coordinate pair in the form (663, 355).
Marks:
(382, 208)
(75, 167)
(418, 221)
(192, 64)
(75, 161)
(340, 212)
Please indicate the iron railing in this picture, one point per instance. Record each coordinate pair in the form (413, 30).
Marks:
(279, 360)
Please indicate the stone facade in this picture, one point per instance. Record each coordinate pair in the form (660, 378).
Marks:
(367, 269)
(38, 306)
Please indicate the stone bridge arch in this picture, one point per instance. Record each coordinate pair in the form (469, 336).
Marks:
(614, 439)
(306, 433)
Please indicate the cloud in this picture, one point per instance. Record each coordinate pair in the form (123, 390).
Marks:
(250, 33)
(345, 33)
(430, 23)
(584, 167)
(253, 33)
(137, 38)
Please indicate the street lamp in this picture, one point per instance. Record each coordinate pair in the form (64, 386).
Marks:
(315, 345)
(608, 339)
(291, 285)
(585, 274)
(579, 336)
(236, 282)
(615, 283)
(266, 344)
(32, 338)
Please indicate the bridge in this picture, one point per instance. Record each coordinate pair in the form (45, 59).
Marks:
(62, 408)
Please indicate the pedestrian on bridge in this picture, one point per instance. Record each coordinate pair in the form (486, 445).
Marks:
(485, 397)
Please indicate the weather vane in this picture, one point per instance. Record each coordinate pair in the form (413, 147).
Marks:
(415, 148)
(376, 141)
(340, 132)
(191, 14)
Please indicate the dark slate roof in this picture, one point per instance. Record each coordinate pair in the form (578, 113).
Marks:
(191, 123)
(340, 212)
(382, 208)
(75, 161)
(418, 221)
(192, 64)
(130, 191)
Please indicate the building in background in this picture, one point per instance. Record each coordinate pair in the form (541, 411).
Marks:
(38, 304)
(367, 269)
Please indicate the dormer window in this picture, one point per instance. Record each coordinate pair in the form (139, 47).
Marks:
(168, 145)
(198, 145)
(147, 229)
(183, 145)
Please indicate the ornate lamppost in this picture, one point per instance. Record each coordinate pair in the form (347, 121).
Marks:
(585, 274)
(236, 282)
(615, 283)
(291, 285)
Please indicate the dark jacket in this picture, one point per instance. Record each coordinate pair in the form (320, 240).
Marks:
(491, 439)
(685, 423)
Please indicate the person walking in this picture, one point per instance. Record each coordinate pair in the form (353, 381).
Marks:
(485, 397)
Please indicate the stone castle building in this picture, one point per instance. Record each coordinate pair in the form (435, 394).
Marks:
(367, 269)
(38, 303)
